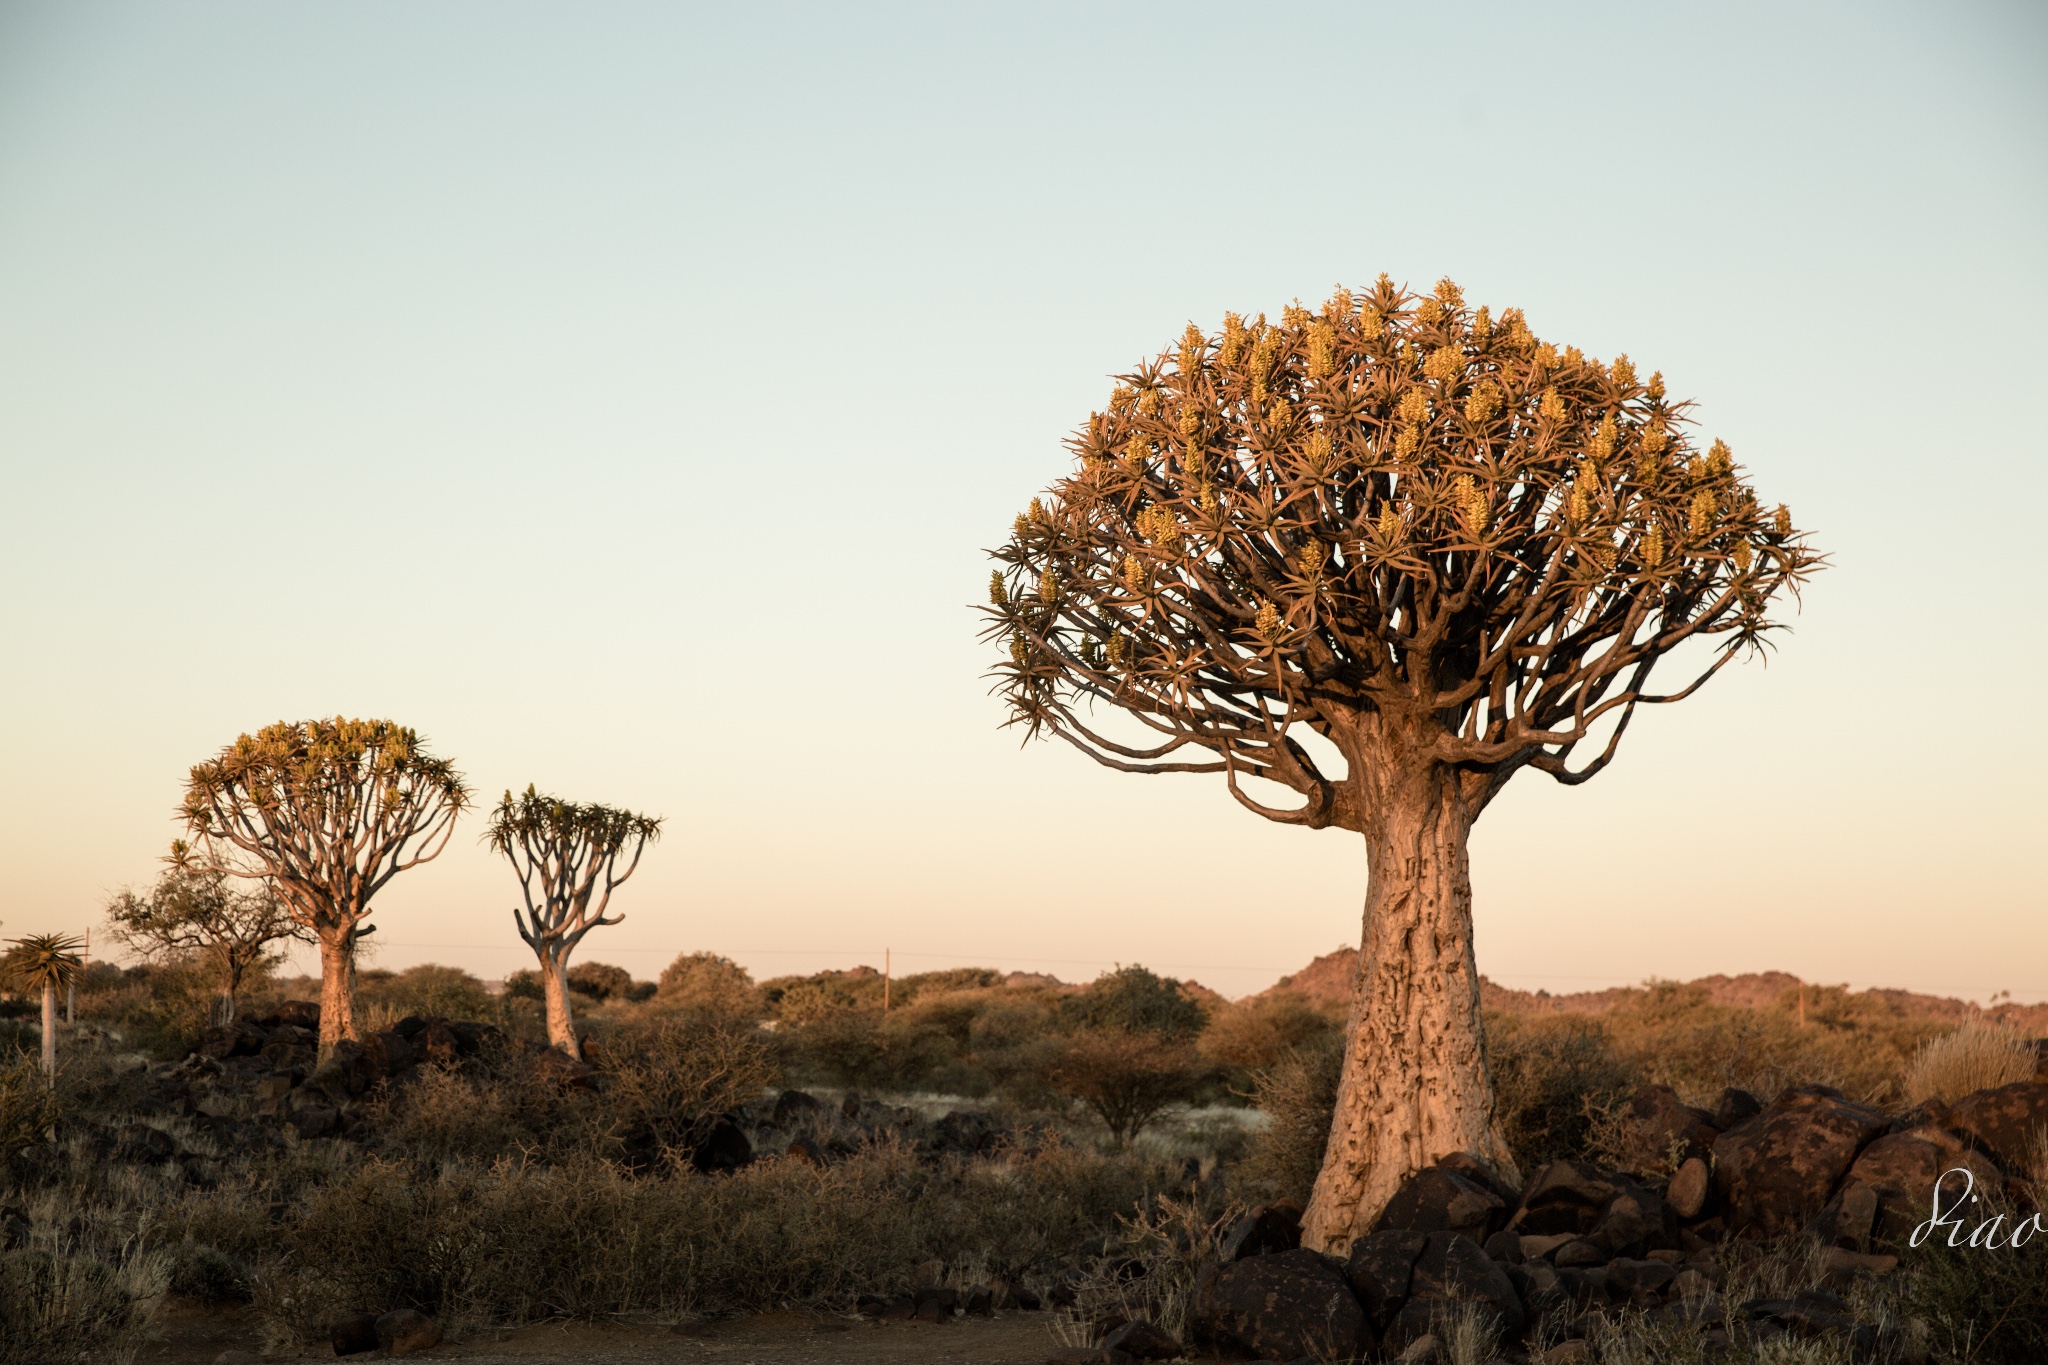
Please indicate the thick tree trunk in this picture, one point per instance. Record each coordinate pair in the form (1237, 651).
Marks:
(1414, 1086)
(50, 1028)
(337, 989)
(554, 976)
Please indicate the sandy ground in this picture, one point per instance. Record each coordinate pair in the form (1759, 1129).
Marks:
(193, 1338)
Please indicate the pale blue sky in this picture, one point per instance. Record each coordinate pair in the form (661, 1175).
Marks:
(624, 396)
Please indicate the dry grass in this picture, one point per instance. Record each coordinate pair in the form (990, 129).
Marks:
(1977, 1056)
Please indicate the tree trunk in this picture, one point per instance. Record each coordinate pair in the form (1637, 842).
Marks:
(1414, 1087)
(337, 989)
(50, 1029)
(554, 976)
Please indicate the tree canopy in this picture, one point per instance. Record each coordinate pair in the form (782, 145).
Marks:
(1397, 513)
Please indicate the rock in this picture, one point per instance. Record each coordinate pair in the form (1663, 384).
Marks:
(1839, 1267)
(304, 1014)
(238, 1038)
(344, 1075)
(571, 1073)
(979, 1301)
(1505, 1247)
(1539, 1285)
(1579, 1253)
(804, 1149)
(1140, 1340)
(1890, 1188)
(870, 1305)
(316, 1121)
(1421, 1351)
(1537, 1248)
(1665, 1124)
(1687, 1192)
(436, 1043)
(967, 1133)
(15, 1228)
(354, 1334)
(1283, 1306)
(1482, 1173)
(1689, 1284)
(849, 1107)
(138, 1144)
(722, 1148)
(407, 1332)
(1266, 1229)
(388, 1054)
(1774, 1173)
(2004, 1121)
(1438, 1200)
(1639, 1282)
(1635, 1223)
(1453, 1267)
(936, 1303)
(792, 1105)
(1380, 1268)
(1735, 1107)
(902, 1308)
(1809, 1313)
(1565, 1196)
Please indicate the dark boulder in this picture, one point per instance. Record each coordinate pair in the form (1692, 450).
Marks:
(937, 1303)
(792, 1105)
(137, 1144)
(387, 1054)
(1140, 1340)
(1774, 1173)
(1266, 1229)
(1687, 1193)
(407, 1331)
(2004, 1122)
(804, 1149)
(237, 1038)
(1435, 1199)
(303, 1014)
(1665, 1125)
(1566, 1197)
(1890, 1188)
(1451, 1269)
(1735, 1107)
(409, 1027)
(472, 1038)
(1636, 1222)
(966, 1133)
(437, 1043)
(344, 1075)
(1281, 1306)
(979, 1301)
(315, 1120)
(1380, 1268)
(722, 1147)
(354, 1334)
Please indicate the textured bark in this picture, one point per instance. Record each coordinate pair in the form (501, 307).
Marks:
(554, 976)
(337, 989)
(49, 1028)
(1414, 1086)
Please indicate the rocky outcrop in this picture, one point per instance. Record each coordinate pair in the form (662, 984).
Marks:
(1775, 1172)
(1283, 1306)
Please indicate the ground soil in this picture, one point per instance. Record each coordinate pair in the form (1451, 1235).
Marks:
(193, 1337)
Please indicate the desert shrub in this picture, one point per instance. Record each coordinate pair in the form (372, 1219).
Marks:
(57, 1307)
(28, 1106)
(1553, 1076)
(600, 981)
(675, 1075)
(428, 989)
(1128, 1078)
(1253, 1035)
(1977, 1056)
(1298, 1097)
(710, 983)
(525, 985)
(159, 1007)
(203, 1273)
(1131, 1000)
(1988, 1307)
(1149, 1271)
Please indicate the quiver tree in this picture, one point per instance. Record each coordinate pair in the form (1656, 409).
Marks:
(328, 811)
(570, 858)
(47, 963)
(197, 907)
(1383, 557)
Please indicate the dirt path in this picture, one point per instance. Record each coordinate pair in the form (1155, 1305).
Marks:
(771, 1339)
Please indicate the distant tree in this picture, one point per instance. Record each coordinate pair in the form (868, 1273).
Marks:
(568, 857)
(707, 981)
(1383, 557)
(1128, 1077)
(1135, 1000)
(46, 963)
(196, 908)
(329, 811)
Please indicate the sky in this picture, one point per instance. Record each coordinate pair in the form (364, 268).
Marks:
(626, 397)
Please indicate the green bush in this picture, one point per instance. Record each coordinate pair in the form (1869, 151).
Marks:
(1298, 1098)
(1552, 1077)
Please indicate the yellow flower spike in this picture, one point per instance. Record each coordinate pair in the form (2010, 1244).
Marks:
(1653, 547)
(1429, 313)
(1190, 421)
(1317, 450)
(1655, 437)
(1574, 357)
(1310, 557)
(1483, 404)
(1602, 448)
(1445, 364)
(1720, 460)
(1234, 339)
(1370, 323)
(1448, 294)
(1019, 650)
(1782, 522)
(1482, 324)
(1267, 624)
(1192, 345)
(1406, 442)
(1701, 514)
(1207, 498)
(1322, 351)
(1546, 356)
(1580, 505)
(1038, 510)
(1552, 407)
(1118, 651)
(1413, 408)
(1137, 452)
(1339, 307)
(1389, 523)
(1049, 586)
(1294, 315)
(1743, 556)
(1624, 372)
(1656, 389)
(1148, 403)
(1134, 573)
(998, 596)
(1120, 398)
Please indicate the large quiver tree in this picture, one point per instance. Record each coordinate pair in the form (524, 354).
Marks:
(569, 859)
(1383, 556)
(329, 811)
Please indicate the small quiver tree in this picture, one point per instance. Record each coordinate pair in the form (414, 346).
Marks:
(198, 907)
(329, 811)
(569, 858)
(47, 963)
(1383, 557)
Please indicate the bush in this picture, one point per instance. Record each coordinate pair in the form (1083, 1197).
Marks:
(1132, 999)
(1553, 1075)
(1254, 1035)
(525, 985)
(708, 982)
(600, 981)
(1298, 1096)
(1127, 1078)
(679, 1074)
(28, 1106)
(63, 1307)
(1988, 1307)
(383, 998)
(1977, 1056)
